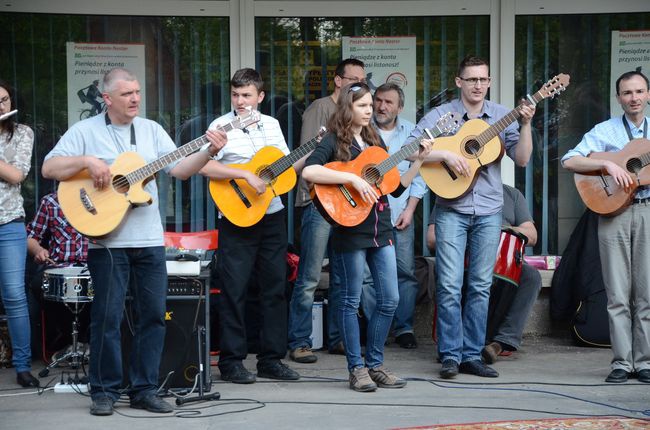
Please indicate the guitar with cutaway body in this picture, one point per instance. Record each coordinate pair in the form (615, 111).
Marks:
(341, 203)
(239, 202)
(96, 212)
(480, 145)
(601, 193)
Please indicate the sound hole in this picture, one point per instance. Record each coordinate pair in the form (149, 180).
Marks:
(121, 184)
(266, 175)
(472, 147)
(371, 175)
(634, 165)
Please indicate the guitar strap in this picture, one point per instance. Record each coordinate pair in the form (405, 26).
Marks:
(628, 130)
(133, 143)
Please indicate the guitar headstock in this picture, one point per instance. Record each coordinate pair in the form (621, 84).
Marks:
(554, 86)
(243, 121)
(447, 124)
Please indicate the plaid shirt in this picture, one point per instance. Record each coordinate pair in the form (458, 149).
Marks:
(65, 244)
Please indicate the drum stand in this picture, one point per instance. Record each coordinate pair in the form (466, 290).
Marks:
(74, 355)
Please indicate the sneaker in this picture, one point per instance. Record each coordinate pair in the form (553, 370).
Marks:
(449, 369)
(337, 349)
(275, 369)
(152, 403)
(360, 380)
(384, 378)
(237, 374)
(406, 340)
(490, 352)
(303, 354)
(478, 368)
(102, 406)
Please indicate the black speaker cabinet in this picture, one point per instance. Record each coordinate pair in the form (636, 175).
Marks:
(188, 331)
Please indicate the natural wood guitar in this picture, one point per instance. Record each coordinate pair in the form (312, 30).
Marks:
(601, 193)
(239, 202)
(96, 212)
(480, 144)
(341, 203)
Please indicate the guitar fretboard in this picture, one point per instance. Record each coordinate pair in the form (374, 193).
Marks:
(150, 169)
(405, 151)
(282, 164)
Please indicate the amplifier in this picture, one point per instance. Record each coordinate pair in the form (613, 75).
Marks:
(187, 339)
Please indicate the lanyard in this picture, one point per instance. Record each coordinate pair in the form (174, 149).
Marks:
(629, 130)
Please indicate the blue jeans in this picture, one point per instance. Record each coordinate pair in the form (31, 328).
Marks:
(314, 237)
(351, 265)
(461, 332)
(13, 252)
(111, 274)
(407, 283)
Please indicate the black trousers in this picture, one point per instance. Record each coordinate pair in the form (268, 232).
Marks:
(243, 251)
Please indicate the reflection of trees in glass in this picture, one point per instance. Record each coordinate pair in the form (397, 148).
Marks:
(579, 45)
(187, 58)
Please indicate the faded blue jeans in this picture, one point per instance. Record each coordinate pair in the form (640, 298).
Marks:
(461, 332)
(314, 236)
(13, 252)
(407, 283)
(383, 268)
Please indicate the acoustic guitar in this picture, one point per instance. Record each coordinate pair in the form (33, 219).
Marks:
(96, 213)
(239, 202)
(601, 193)
(480, 144)
(342, 204)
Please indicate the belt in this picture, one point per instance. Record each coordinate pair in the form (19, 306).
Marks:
(644, 201)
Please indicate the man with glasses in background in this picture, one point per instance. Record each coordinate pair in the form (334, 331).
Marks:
(470, 223)
(315, 233)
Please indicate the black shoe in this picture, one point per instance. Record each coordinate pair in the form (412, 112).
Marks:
(237, 374)
(276, 370)
(152, 403)
(617, 376)
(406, 340)
(102, 406)
(449, 369)
(644, 376)
(478, 368)
(27, 380)
(337, 349)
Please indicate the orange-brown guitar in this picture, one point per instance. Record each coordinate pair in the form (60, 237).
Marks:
(342, 204)
(239, 202)
(480, 144)
(601, 193)
(96, 212)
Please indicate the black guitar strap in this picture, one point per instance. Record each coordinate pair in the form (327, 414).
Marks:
(628, 130)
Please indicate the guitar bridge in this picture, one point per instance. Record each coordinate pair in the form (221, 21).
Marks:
(240, 193)
(449, 171)
(86, 201)
(347, 196)
(606, 186)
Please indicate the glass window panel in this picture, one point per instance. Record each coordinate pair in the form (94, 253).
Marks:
(187, 75)
(579, 45)
(297, 58)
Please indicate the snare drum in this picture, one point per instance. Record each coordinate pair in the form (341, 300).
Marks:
(510, 256)
(68, 284)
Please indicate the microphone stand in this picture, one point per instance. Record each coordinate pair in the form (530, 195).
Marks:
(200, 331)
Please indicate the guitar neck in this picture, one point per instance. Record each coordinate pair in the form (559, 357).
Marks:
(284, 163)
(504, 122)
(404, 152)
(152, 168)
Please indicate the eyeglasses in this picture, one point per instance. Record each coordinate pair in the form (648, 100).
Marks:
(4, 100)
(354, 79)
(474, 81)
